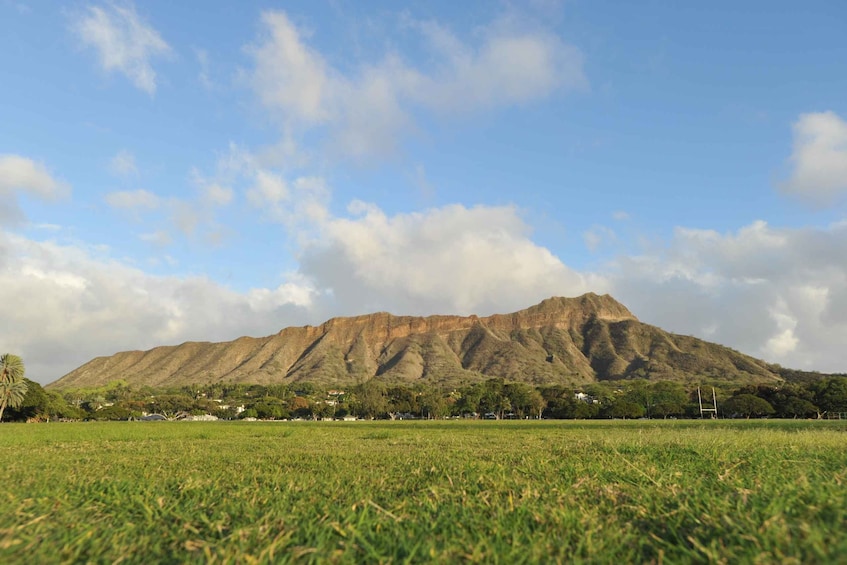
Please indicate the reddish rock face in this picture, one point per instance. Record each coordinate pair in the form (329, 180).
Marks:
(563, 313)
(560, 340)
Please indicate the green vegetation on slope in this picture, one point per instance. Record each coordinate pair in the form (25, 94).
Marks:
(509, 492)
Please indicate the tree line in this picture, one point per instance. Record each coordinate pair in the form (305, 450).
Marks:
(492, 398)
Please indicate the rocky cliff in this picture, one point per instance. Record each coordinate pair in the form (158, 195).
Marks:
(560, 340)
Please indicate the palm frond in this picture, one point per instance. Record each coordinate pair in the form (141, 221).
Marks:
(11, 368)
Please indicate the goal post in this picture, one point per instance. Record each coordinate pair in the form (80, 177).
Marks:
(713, 411)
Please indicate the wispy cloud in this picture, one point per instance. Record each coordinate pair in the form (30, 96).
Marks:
(214, 194)
(133, 200)
(25, 175)
(123, 40)
(159, 238)
(123, 164)
(203, 75)
(363, 111)
(510, 66)
(597, 236)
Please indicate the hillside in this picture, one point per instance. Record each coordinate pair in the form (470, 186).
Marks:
(560, 340)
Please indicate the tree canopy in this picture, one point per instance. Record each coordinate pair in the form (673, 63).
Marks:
(12, 385)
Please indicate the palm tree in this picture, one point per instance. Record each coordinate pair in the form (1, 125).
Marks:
(12, 386)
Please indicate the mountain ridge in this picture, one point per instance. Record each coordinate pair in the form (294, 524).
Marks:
(560, 340)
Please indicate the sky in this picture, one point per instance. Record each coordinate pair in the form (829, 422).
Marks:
(199, 171)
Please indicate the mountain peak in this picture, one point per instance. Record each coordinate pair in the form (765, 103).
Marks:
(600, 305)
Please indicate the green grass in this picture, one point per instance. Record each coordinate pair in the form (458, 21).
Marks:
(495, 492)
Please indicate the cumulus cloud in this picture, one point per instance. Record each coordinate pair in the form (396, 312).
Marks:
(363, 111)
(819, 158)
(73, 304)
(20, 175)
(133, 200)
(450, 260)
(297, 291)
(776, 293)
(123, 40)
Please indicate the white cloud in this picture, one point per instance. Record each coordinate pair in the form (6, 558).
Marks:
(819, 158)
(73, 304)
(302, 208)
(133, 200)
(289, 75)
(185, 216)
(449, 260)
(775, 293)
(269, 189)
(312, 197)
(217, 195)
(363, 111)
(124, 41)
(511, 66)
(123, 164)
(215, 192)
(283, 154)
(298, 292)
(19, 175)
(784, 341)
(193, 217)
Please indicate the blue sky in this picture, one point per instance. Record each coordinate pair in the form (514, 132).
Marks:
(205, 170)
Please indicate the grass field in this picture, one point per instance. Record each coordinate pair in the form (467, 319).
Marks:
(496, 492)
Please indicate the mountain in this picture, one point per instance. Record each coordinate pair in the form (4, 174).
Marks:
(561, 340)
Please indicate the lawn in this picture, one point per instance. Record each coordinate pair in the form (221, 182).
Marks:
(495, 492)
